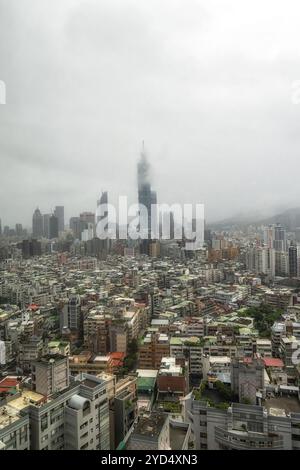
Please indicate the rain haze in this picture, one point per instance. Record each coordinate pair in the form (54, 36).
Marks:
(208, 85)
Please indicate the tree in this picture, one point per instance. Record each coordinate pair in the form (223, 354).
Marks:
(133, 346)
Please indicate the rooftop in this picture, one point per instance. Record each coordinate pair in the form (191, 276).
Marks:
(145, 383)
(272, 362)
(8, 416)
(287, 404)
(177, 436)
(150, 426)
(91, 383)
(27, 397)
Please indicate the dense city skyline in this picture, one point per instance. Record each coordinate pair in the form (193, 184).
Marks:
(209, 87)
(149, 229)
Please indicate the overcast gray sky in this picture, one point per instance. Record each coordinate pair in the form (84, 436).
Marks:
(207, 85)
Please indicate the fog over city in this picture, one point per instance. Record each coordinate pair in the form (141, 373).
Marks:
(209, 86)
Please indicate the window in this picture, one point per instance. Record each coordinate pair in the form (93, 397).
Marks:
(44, 422)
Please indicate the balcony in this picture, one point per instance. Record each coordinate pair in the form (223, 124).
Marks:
(242, 440)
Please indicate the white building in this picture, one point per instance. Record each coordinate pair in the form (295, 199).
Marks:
(2, 353)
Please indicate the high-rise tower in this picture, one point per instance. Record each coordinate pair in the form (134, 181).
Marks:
(103, 203)
(59, 212)
(37, 224)
(146, 197)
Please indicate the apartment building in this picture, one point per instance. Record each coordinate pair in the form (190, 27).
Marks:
(118, 337)
(122, 405)
(96, 331)
(241, 427)
(50, 374)
(277, 332)
(288, 348)
(14, 429)
(30, 350)
(215, 366)
(190, 349)
(77, 418)
(125, 409)
(247, 378)
(157, 431)
(263, 346)
(151, 433)
(172, 379)
(154, 347)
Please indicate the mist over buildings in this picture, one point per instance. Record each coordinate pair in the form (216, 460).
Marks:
(143, 169)
(207, 84)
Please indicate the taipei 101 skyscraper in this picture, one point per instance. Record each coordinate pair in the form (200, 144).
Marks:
(146, 197)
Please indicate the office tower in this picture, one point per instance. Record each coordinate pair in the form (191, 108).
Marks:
(102, 201)
(208, 237)
(261, 260)
(53, 227)
(88, 233)
(37, 224)
(46, 225)
(172, 226)
(25, 249)
(87, 217)
(77, 226)
(59, 212)
(50, 374)
(146, 197)
(281, 263)
(6, 231)
(19, 230)
(279, 238)
(275, 237)
(102, 214)
(153, 197)
(30, 248)
(269, 236)
(293, 261)
(35, 248)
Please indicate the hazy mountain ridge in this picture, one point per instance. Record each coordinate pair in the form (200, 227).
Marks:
(289, 218)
